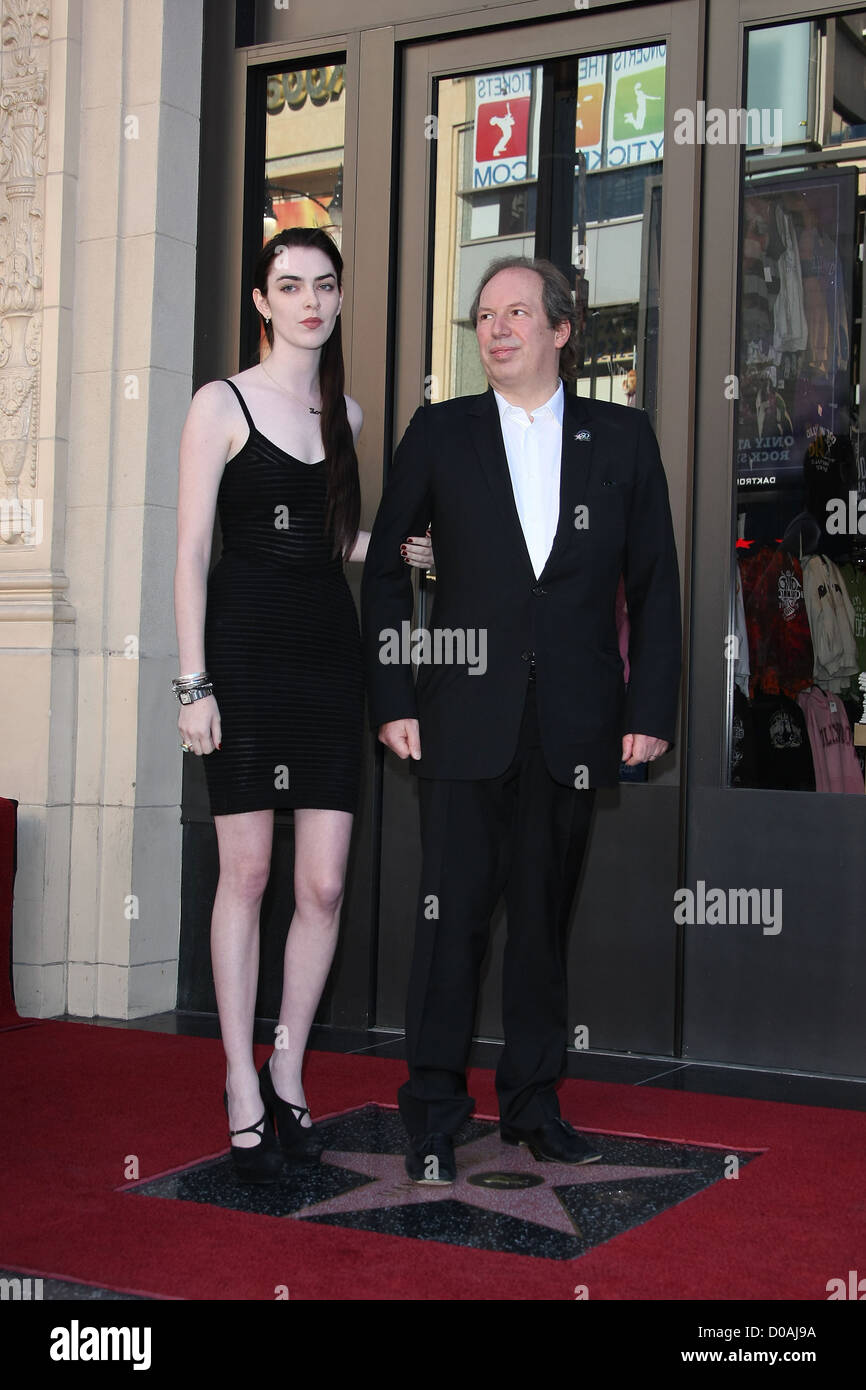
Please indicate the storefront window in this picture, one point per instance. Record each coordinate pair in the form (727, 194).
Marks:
(797, 643)
(304, 137)
(486, 183)
(490, 149)
(617, 218)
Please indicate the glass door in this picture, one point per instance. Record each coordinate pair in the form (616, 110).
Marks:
(550, 141)
(775, 794)
(561, 159)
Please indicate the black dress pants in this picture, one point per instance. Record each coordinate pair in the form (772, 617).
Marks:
(523, 834)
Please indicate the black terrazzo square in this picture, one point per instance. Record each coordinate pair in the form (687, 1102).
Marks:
(503, 1199)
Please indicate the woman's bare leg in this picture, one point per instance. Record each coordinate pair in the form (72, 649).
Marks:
(321, 851)
(245, 843)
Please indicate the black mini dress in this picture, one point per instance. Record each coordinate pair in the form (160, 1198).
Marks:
(282, 641)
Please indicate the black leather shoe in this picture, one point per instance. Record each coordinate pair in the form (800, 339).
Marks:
(555, 1142)
(431, 1159)
(300, 1143)
(262, 1162)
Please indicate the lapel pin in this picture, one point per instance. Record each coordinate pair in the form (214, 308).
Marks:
(583, 435)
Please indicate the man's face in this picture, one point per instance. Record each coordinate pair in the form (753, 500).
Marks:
(518, 347)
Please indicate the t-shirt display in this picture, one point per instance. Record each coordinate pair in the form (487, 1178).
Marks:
(831, 621)
(799, 572)
(781, 658)
(836, 766)
(782, 753)
(793, 730)
(854, 579)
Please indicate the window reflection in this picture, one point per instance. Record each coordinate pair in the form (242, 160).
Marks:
(617, 187)
(798, 641)
(304, 140)
(487, 140)
(488, 133)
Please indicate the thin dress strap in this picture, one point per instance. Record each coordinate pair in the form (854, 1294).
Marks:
(242, 401)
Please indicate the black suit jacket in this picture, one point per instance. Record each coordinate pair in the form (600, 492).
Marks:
(451, 471)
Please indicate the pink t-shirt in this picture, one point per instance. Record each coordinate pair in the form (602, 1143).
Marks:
(836, 765)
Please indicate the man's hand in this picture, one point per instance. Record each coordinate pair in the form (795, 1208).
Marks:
(640, 748)
(402, 736)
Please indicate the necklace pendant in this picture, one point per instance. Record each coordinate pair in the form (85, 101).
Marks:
(313, 411)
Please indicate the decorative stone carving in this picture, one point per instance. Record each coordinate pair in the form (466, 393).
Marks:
(24, 33)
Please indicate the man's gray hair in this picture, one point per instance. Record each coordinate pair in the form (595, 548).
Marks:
(556, 296)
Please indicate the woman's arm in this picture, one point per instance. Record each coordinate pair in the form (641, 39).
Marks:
(359, 550)
(417, 551)
(356, 421)
(206, 443)
(204, 446)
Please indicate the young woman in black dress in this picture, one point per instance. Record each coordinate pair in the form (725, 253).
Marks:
(272, 691)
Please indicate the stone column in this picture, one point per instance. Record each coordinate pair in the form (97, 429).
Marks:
(99, 159)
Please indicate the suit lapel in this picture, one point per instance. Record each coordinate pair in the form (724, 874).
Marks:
(486, 434)
(574, 471)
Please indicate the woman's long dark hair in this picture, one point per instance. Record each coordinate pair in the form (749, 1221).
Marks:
(343, 512)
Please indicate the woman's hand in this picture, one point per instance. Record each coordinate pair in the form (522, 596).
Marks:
(199, 725)
(418, 551)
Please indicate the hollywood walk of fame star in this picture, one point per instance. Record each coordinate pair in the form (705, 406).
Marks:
(391, 1187)
(361, 1184)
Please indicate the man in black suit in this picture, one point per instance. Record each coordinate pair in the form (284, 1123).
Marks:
(538, 501)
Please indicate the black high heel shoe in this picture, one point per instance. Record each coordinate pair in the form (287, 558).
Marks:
(259, 1162)
(298, 1142)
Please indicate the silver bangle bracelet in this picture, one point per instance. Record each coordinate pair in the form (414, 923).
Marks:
(190, 682)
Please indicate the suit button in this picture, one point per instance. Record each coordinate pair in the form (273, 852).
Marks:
(537, 589)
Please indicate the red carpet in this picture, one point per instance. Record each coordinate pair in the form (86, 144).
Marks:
(79, 1100)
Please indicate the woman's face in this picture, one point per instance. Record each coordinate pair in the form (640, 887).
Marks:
(303, 298)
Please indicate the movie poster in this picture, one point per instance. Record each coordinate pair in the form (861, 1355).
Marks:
(796, 315)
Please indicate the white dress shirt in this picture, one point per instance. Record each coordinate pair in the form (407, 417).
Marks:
(533, 447)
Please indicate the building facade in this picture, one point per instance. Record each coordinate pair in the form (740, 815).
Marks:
(698, 170)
